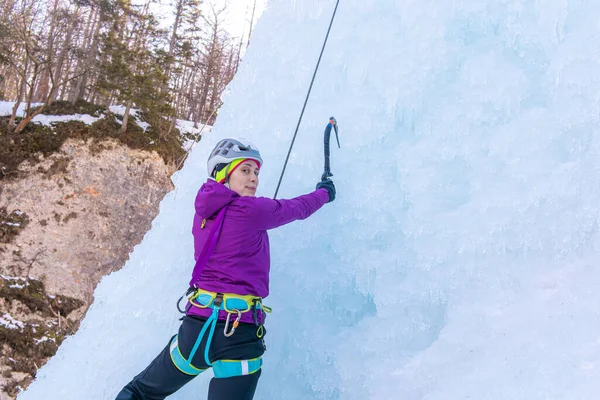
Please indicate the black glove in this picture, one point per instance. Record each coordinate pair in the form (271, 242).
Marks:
(328, 185)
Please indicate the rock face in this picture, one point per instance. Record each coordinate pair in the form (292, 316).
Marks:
(73, 218)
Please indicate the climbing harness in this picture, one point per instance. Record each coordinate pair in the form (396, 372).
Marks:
(233, 304)
(306, 99)
(332, 124)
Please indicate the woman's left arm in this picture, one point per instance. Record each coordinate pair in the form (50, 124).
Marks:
(269, 213)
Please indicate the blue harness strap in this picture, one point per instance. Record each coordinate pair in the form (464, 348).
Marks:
(230, 368)
(179, 360)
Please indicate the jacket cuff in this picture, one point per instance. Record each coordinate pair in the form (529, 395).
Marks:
(323, 194)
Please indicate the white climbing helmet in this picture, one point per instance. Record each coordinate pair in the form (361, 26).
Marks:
(230, 149)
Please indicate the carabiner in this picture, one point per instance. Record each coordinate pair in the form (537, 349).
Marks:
(235, 323)
(189, 294)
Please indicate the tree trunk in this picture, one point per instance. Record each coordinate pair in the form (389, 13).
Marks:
(43, 85)
(126, 117)
(28, 118)
(190, 95)
(174, 37)
(80, 92)
(206, 82)
(215, 87)
(90, 44)
(68, 83)
(21, 91)
(57, 76)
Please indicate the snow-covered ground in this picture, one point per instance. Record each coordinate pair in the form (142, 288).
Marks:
(6, 109)
(48, 120)
(9, 322)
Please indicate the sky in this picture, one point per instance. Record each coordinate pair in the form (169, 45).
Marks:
(238, 17)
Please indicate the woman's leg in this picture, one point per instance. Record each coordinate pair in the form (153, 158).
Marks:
(162, 378)
(156, 382)
(234, 388)
(244, 344)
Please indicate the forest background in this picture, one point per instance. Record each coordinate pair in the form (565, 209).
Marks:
(168, 60)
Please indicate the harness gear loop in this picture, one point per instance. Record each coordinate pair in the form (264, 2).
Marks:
(235, 323)
(307, 97)
(254, 312)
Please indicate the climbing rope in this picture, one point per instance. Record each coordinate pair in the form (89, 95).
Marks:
(306, 99)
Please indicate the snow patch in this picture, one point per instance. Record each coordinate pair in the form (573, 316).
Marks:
(9, 223)
(7, 106)
(48, 120)
(17, 286)
(9, 322)
(44, 339)
(12, 278)
(133, 112)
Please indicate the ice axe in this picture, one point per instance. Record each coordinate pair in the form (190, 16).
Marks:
(332, 124)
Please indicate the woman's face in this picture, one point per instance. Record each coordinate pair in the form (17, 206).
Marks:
(244, 179)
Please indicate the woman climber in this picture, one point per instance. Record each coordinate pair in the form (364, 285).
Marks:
(224, 323)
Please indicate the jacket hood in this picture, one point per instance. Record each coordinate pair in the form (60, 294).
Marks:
(212, 197)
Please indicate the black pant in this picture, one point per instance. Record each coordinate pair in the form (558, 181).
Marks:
(162, 378)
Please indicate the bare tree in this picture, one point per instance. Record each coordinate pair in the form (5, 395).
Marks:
(112, 51)
(212, 54)
(35, 66)
(187, 15)
(88, 51)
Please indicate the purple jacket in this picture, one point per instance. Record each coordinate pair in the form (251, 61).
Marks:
(240, 260)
